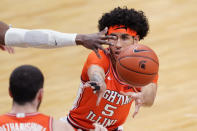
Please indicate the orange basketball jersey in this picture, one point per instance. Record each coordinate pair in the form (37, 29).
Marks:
(113, 108)
(25, 122)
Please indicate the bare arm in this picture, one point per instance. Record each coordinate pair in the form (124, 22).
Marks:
(148, 93)
(97, 74)
(144, 98)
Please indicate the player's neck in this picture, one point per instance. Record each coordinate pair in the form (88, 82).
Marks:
(27, 108)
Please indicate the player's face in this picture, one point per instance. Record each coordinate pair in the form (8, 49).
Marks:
(123, 40)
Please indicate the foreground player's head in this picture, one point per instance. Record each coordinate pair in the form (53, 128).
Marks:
(26, 84)
(128, 25)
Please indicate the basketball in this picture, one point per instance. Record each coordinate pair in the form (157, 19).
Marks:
(137, 65)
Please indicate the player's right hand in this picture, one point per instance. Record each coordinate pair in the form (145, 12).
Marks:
(95, 41)
(98, 88)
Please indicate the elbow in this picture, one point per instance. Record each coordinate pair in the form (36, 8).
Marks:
(148, 102)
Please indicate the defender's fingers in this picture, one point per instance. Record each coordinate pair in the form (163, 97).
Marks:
(108, 37)
(104, 42)
(103, 49)
(10, 50)
(104, 31)
(97, 53)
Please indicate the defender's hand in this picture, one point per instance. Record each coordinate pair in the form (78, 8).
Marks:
(10, 50)
(95, 41)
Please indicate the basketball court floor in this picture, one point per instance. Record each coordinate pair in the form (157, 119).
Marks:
(173, 36)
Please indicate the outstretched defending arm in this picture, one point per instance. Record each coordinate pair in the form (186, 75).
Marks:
(41, 38)
(38, 38)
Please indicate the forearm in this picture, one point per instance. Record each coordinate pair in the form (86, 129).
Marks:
(96, 73)
(38, 38)
(149, 94)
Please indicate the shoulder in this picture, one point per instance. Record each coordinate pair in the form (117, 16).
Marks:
(93, 59)
(94, 56)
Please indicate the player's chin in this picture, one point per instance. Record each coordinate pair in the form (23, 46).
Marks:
(114, 55)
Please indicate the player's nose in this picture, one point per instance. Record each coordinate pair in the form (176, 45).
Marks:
(118, 44)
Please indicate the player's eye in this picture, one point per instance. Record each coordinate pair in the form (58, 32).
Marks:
(125, 37)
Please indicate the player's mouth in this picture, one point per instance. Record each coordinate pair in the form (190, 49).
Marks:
(116, 53)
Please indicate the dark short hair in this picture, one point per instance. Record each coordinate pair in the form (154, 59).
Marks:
(25, 82)
(131, 18)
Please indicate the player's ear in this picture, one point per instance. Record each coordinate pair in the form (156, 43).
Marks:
(136, 39)
(40, 94)
(10, 94)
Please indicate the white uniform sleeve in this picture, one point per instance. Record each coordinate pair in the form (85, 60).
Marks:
(38, 38)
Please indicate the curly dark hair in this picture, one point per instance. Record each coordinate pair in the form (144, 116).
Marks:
(131, 18)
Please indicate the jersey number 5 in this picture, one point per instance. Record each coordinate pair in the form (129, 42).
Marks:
(109, 110)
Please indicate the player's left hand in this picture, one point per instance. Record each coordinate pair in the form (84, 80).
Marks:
(7, 48)
(138, 98)
(98, 88)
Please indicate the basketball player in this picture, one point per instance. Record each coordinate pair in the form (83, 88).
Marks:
(26, 90)
(40, 38)
(102, 97)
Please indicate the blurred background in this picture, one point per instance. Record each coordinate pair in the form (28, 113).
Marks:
(173, 36)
